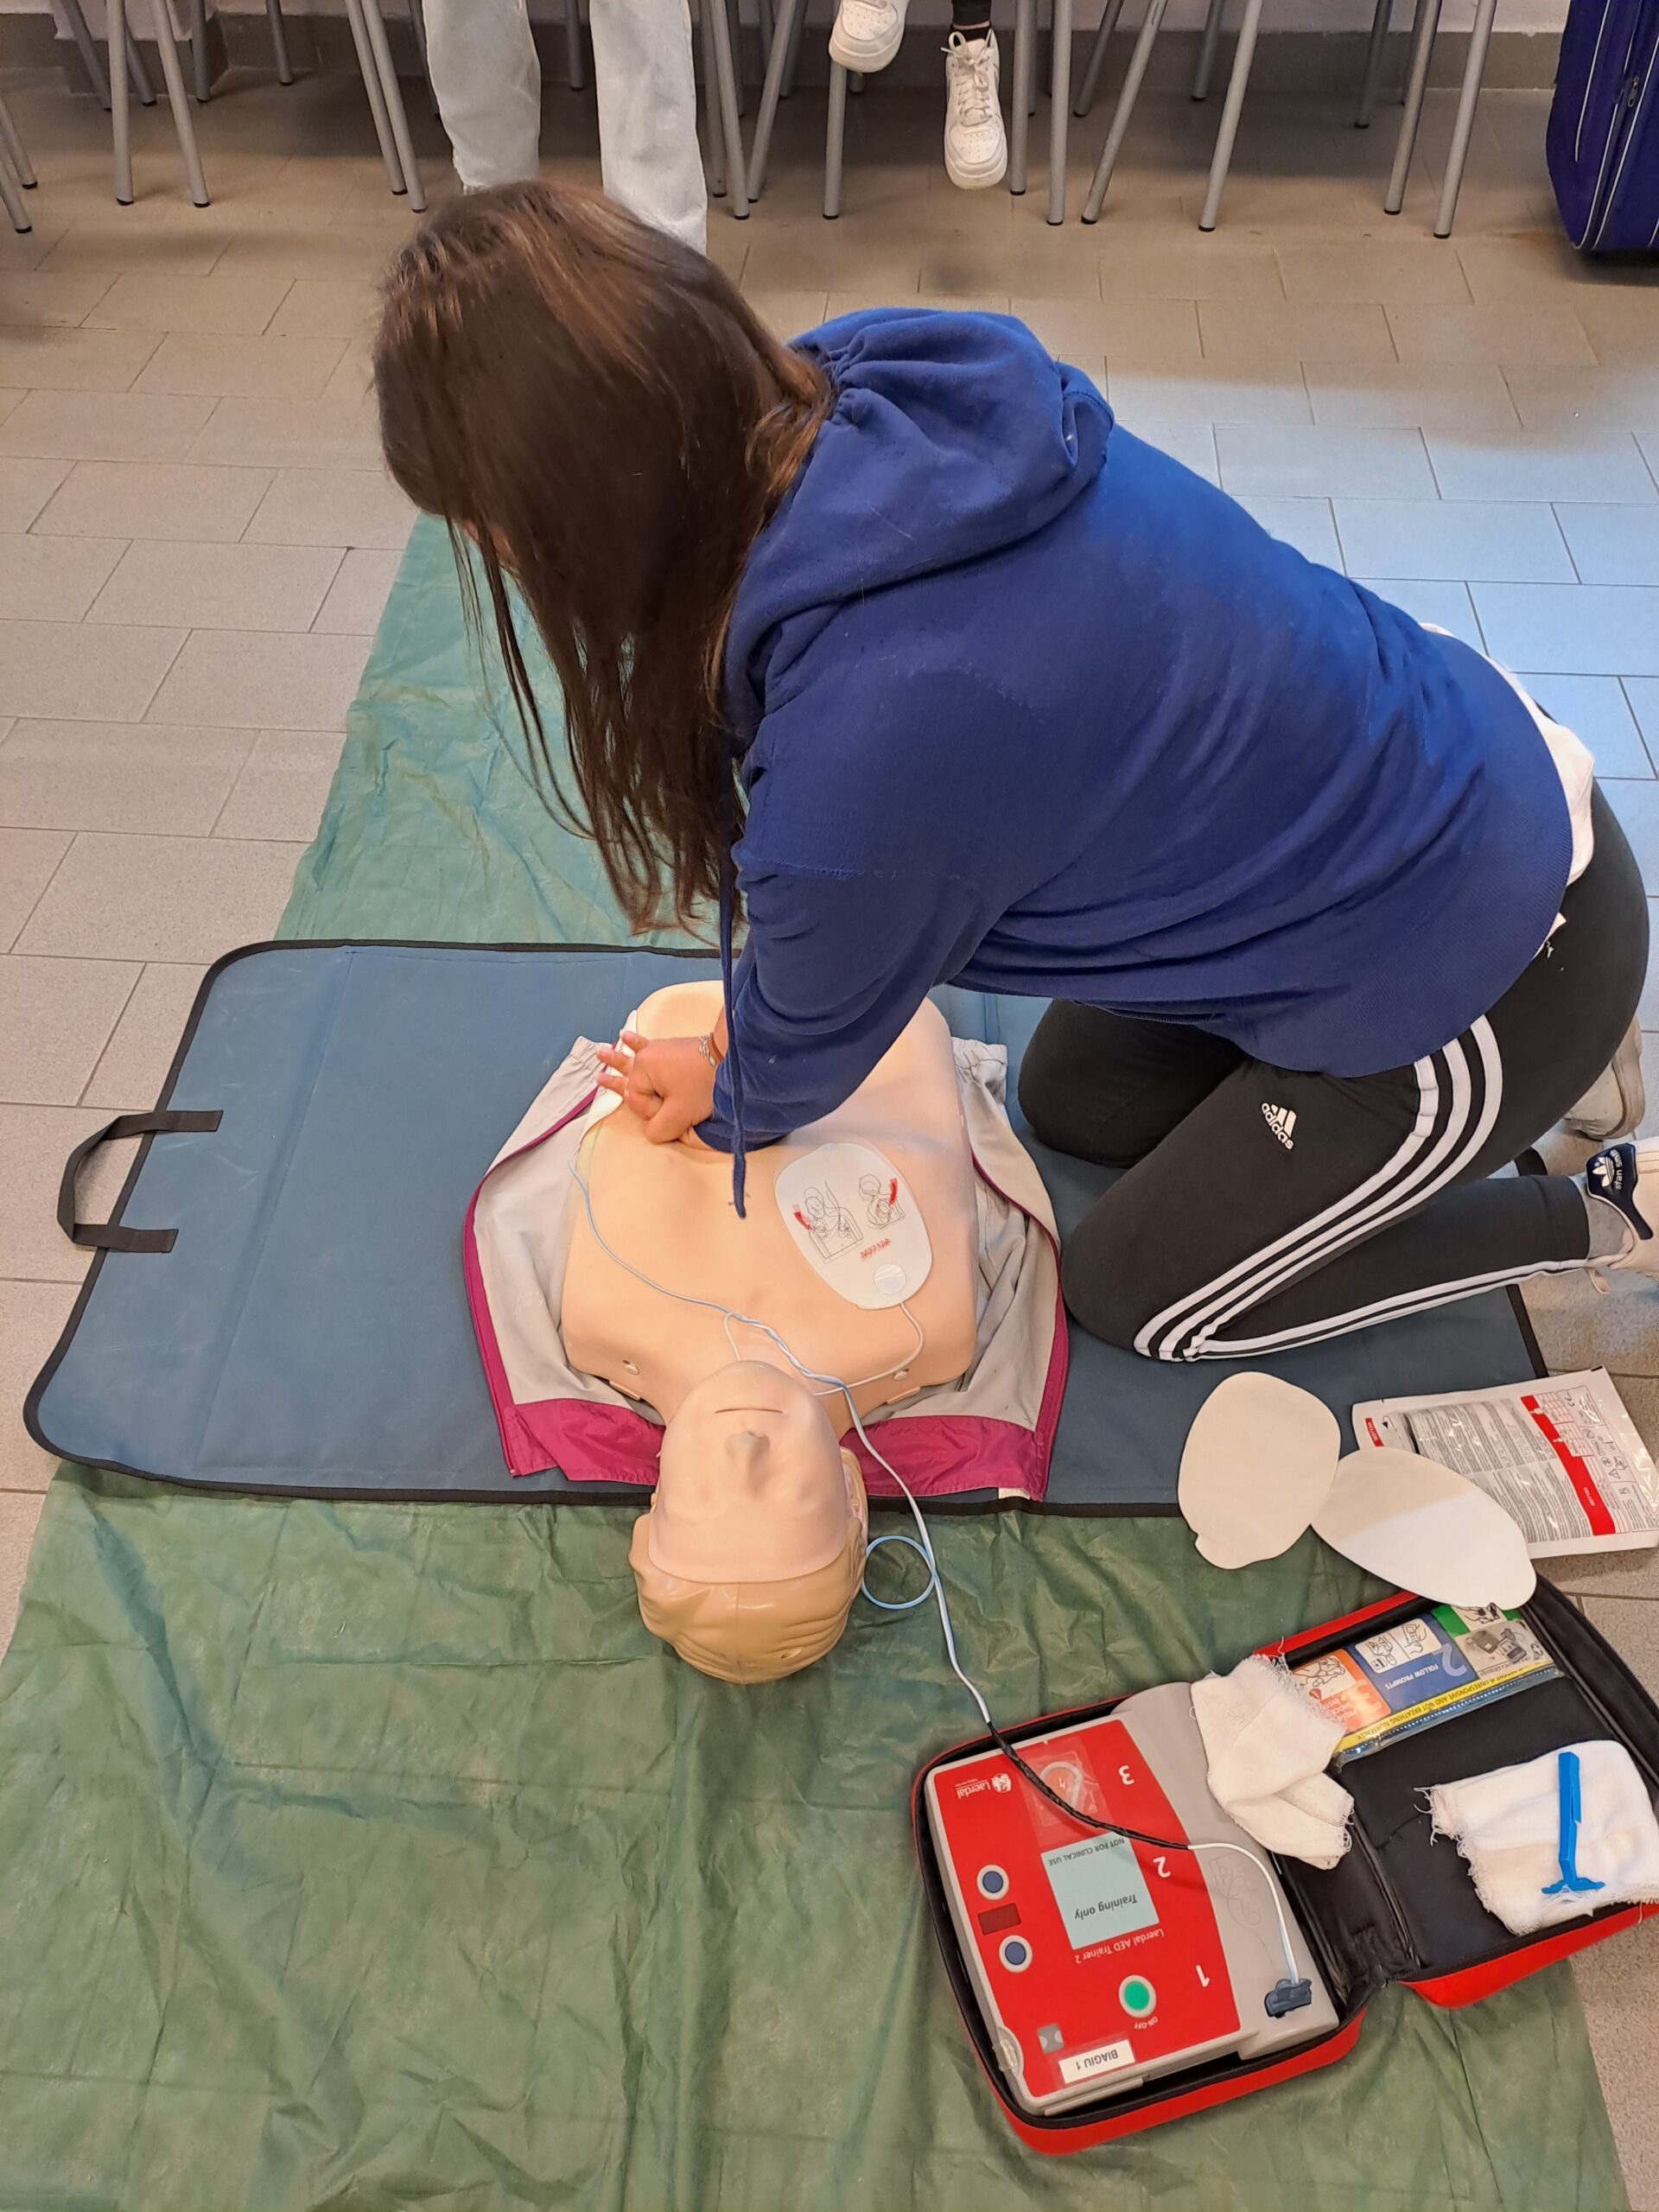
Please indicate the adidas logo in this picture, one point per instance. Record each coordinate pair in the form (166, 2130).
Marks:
(1603, 1169)
(1281, 1120)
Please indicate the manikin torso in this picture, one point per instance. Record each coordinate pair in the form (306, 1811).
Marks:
(667, 1210)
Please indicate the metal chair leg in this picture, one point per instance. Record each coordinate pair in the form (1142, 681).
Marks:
(1422, 46)
(726, 83)
(87, 50)
(1060, 110)
(371, 75)
(1025, 38)
(763, 16)
(1124, 109)
(417, 25)
(279, 41)
(199, 50)
(734, 30)
(1374, 53)
(1207, 47)
(835, 141)
(1108, 24)
(177, 99)
(396, 114)
(1468, 100)
(141, 84)
(1405, 78)
(792, 62)
(1237, 84)
(12, 145)
(790, 13)
(576, 68)
(713, 128)
(115, 17)
(11, 192)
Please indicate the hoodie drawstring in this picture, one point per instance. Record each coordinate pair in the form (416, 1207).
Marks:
(732, 1063)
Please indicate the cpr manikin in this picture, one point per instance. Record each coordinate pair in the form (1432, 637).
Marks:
(857, 1248)
(751, 1553)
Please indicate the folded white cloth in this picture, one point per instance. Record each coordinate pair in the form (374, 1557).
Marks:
(1267, 1743)
(1508, 1826)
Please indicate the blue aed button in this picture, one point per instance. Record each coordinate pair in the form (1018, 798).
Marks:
(992, 1882)
(1015, 1952)
(1136, 1995)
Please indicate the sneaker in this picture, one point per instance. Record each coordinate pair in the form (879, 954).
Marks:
(1627, 1176)
(867, 33)
(1616, 1102)
(976, 150)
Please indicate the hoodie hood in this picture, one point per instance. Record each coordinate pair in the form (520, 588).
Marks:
(951, 436)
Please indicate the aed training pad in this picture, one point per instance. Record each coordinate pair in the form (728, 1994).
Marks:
(306, 1332)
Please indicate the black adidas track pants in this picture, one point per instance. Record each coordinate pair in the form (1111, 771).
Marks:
(1268, 1207)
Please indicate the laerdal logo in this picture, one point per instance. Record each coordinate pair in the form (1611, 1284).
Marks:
(1281, 1120)
(1001, 1783)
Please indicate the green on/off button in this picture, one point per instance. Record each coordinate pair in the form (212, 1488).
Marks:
(1137, 1996)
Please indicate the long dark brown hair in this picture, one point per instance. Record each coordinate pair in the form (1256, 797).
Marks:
(593, 410)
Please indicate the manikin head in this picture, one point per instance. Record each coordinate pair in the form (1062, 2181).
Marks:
(750, 1557)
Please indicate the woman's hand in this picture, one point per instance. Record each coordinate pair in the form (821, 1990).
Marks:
(667, 1081)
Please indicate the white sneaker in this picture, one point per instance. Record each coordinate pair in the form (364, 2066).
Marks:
(1617, 1101)
(1627, 1176)
(867, 33)
(976, 150)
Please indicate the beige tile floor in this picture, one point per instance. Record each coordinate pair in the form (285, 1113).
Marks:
(196, 540)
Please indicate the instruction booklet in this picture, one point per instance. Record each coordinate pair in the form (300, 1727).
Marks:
(1422, 1671)
(1560, 1455)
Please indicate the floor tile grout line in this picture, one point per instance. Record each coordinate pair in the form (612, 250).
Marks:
(45, 888)
(109, 1038)
(1555, 506)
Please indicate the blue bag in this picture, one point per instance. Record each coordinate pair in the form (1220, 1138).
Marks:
(1603, 141)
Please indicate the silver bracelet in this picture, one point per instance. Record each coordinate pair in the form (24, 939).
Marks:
(706, 1046)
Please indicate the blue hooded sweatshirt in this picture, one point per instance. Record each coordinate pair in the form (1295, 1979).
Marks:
(1024, 704)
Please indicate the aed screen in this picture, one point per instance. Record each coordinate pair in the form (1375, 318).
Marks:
(1099, 1889)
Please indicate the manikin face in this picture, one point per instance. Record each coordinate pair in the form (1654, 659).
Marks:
(752, 1486)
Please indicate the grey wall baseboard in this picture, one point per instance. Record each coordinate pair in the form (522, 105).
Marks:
(1285, 61)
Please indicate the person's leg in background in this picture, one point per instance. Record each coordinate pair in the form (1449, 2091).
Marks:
(975, 145)
(1287, 1207)
(487, 82)
(649, 155)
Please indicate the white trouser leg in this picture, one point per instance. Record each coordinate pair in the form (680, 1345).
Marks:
(648, 148)
(487, 83)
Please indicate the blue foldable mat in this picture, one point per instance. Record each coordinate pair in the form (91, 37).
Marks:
(277, 1303)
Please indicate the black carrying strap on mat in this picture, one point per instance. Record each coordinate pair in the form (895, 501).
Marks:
(111, 1236)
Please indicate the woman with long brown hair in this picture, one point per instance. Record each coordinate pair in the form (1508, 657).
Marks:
(894, 644)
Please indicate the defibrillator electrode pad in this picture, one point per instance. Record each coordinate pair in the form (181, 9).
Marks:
(1420, 1526)
(854, 1222)
(1258, 1466)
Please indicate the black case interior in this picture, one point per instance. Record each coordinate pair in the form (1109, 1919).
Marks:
(1398, 1907)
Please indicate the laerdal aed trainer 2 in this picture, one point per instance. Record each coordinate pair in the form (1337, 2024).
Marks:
(1099, 1962)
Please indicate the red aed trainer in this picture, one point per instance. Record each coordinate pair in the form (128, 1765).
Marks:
(1100, 1961)
(1109, 1986)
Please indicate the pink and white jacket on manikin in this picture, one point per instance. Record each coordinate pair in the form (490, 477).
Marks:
(991, 1430)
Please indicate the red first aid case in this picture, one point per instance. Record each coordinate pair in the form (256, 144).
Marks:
(1398, 1907)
